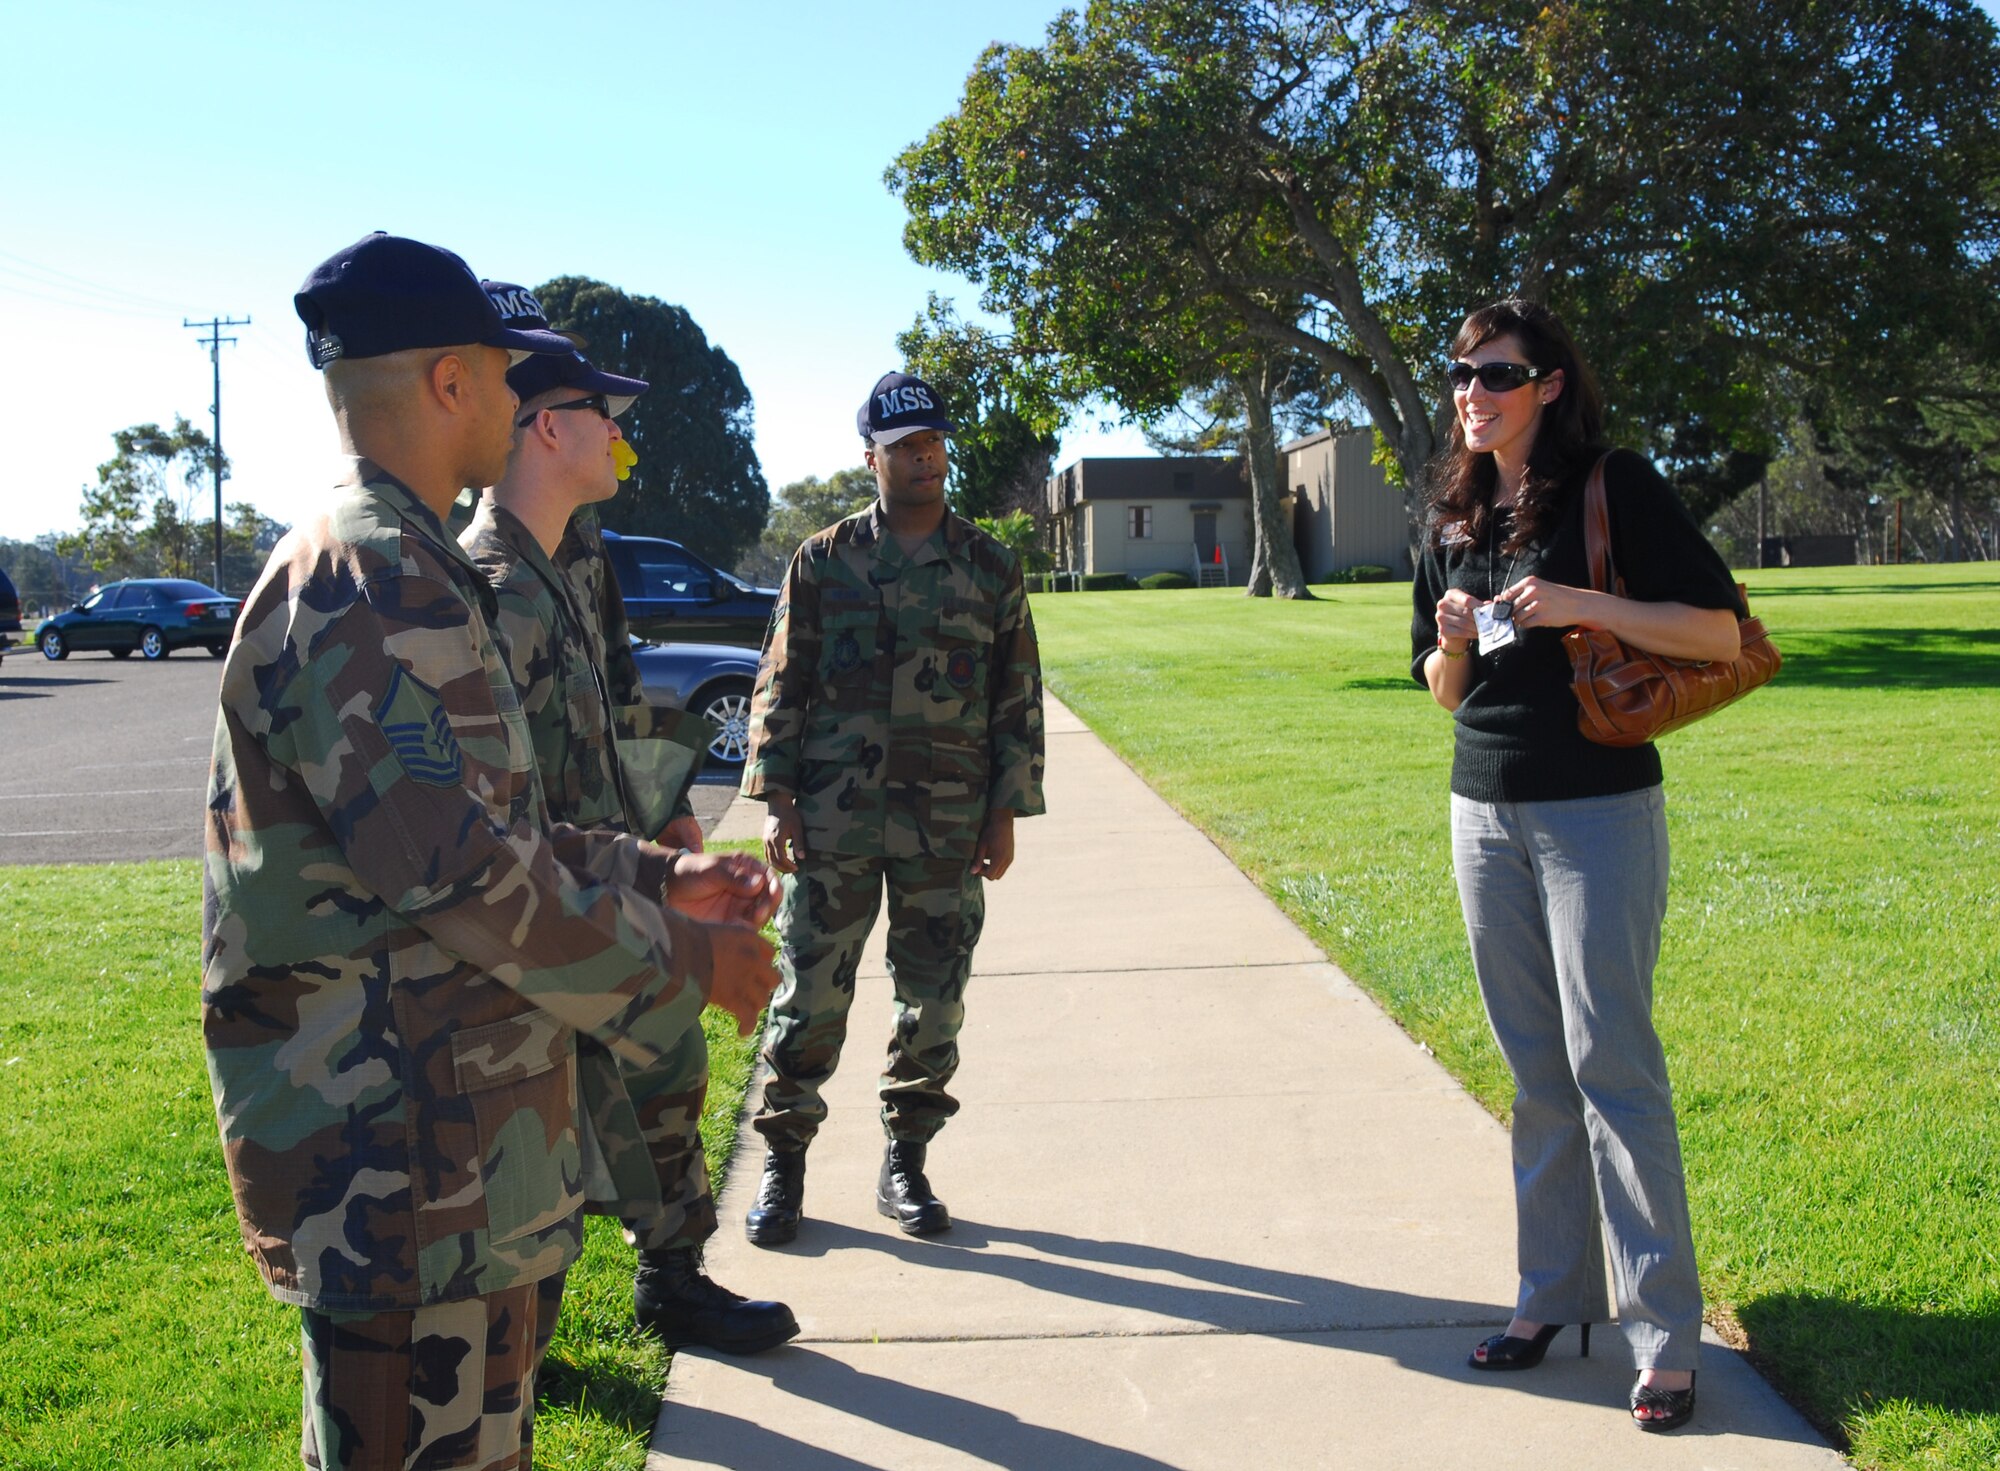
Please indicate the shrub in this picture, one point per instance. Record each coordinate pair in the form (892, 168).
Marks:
(1160, 580)
(1107, 582)
(1359, 572)
(1035, 581)
(1017, 532)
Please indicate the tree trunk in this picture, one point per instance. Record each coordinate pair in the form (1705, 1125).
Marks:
(1958, 508)
(1414, 445)
(1274, 560)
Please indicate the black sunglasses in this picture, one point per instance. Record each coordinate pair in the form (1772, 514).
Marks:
(597, 401)
(1494, 377)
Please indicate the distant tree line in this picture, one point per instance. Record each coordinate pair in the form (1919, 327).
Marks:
(47, 579)
(1924, 487)
(140, 520)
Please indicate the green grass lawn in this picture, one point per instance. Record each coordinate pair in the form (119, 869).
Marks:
(1830, 996)
(1830, 990)
(133, 1329)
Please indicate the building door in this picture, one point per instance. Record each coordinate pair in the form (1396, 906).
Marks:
(1204, 536)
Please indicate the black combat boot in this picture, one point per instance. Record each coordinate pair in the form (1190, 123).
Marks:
(774, 1216)
(904, 1193)
(673, 1299)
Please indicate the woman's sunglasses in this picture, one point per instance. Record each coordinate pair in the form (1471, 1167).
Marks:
(597, 401)
(1493, 377)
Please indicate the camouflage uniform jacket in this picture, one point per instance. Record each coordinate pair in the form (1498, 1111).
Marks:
(550, 648)
(660, 749)
(580, 558)
(398, 948)
(900, 696)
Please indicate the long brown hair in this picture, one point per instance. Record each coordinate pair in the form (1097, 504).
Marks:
(1460, 482)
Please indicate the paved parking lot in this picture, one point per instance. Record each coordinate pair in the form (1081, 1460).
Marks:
(105, 760)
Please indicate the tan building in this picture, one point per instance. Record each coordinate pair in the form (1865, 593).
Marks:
(1344, 511)
(1140, 515)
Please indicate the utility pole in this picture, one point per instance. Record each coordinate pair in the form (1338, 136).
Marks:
(213, 342)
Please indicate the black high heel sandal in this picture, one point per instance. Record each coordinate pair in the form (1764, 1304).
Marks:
(1666, 1409)
(1504, 1352)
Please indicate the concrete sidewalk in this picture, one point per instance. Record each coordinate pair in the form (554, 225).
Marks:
(1214, 1210)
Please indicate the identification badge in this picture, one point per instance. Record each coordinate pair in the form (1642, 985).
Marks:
(1495, 622)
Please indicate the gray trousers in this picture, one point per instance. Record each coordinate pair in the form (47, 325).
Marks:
(1563, 903)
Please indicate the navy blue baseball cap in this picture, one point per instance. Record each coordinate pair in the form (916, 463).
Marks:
(520, 310)
(385, 294)
(901, 404)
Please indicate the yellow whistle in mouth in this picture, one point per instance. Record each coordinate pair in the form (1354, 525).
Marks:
(624, 457)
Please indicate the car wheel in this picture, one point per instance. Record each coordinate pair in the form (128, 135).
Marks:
(726, 706)
(119, 653)
(51, 643)
(153, 644)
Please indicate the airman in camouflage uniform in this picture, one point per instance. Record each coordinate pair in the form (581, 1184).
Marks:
(594, 778)
(896, 732)
(662, 749)
(399, 950)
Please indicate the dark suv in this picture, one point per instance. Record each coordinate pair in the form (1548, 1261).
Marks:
(672, 596)
(154, 615)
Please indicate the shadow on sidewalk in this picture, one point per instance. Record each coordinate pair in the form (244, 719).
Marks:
(1239, 1298)
(1233, 1296)
(994, 1437)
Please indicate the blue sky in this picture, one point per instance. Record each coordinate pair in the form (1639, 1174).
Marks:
(191, 160)
(170, 161)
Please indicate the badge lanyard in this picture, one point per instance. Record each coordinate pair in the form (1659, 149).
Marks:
(1495, 618)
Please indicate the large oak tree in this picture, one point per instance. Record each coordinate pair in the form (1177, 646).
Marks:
(1714, 193)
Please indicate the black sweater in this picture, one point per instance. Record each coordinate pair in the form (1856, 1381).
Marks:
(1517, 734)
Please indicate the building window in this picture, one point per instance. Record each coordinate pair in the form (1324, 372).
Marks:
(1139, 522)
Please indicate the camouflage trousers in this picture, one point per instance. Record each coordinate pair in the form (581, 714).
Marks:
(451, 1385)
(936, 908)
(668, 1098)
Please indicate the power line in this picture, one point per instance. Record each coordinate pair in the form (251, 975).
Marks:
(72, 305)
(213, 342)
(44, 275)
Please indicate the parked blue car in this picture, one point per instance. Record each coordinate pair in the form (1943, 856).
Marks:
(712, 679)
(154, 615)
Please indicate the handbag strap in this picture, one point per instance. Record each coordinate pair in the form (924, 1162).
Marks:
(1597, 531)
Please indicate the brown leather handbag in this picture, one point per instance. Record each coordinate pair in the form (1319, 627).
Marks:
(1626, 696)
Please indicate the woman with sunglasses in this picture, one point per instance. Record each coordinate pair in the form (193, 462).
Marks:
(1559, 844)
